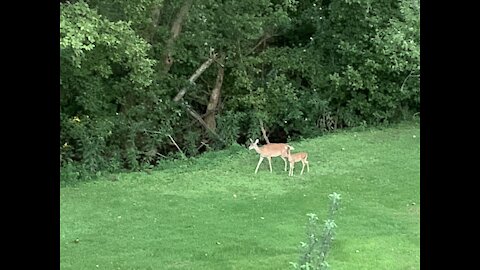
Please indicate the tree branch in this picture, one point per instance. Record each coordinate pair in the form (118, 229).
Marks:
(263, 131)
(265, 37)
(175, 32)
(161, 155)
(183, 91)
(404, 81)
(194, 77)
(197, 116)
(177, 146)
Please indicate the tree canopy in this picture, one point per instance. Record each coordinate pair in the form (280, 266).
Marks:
(142, 79)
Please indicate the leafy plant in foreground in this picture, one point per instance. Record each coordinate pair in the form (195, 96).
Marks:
(315, 250)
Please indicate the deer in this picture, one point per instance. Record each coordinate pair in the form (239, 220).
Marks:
(270, 150)
(297, 157)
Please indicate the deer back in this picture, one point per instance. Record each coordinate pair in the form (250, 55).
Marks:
(298, 156)
(274, 150)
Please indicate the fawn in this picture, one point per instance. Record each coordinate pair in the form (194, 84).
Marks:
(297, 157)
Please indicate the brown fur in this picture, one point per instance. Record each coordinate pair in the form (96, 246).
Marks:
(297, 157)
(270, 150)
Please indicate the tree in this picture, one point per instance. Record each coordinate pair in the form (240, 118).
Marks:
(106, 89)
(137, 75)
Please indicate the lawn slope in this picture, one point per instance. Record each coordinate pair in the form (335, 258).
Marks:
(213, 212)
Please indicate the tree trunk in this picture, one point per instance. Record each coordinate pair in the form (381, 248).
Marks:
(175, 32)
(215, 96)
(153, 27)
(183, 91)
(264, 132)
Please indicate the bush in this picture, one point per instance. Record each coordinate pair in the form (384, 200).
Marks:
(318, 244)
(301, 67)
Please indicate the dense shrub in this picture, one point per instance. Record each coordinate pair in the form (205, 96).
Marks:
(301, 67)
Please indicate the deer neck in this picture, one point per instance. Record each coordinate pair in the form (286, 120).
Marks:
(257, 149)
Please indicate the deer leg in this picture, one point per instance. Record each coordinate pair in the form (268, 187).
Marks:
(285, 161)
(303, 166)
(290, 173)
(308, 167)
(270, 163)
(258, 165)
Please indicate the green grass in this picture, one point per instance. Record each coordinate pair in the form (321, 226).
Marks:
(213, 212)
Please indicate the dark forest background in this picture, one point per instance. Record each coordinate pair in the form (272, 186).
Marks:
(151, 80)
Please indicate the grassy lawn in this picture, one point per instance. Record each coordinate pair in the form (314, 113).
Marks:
(213, 212)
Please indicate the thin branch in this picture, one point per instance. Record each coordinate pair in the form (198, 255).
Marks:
(202, 144)
(161, 155)
(220, 64)
(156, 132)
(206, 83)
(177, 146)
(265, 37)
(404, 81)
(194, 76)
(197, 116)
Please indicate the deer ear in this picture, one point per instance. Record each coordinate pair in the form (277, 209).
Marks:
(250, 140)
(256, 141)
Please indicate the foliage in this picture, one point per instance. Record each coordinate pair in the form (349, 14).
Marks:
(302, 67)
(229, 126)
(315, 250)
(371, 59)
(108, 95)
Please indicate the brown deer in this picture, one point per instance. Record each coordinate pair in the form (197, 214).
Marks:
(297, 157)
(270, 150)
